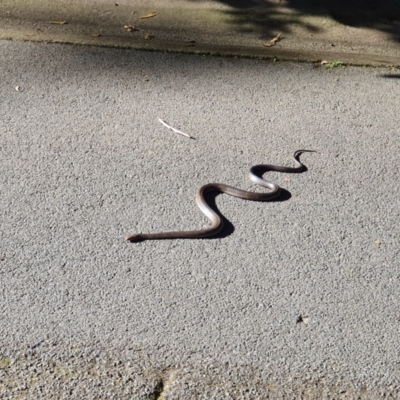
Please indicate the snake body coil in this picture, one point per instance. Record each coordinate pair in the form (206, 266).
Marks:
(216, 220)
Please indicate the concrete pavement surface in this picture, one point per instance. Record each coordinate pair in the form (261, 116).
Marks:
(298, 298)
(360, 32)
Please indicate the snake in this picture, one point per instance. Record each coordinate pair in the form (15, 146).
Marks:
(216, 221)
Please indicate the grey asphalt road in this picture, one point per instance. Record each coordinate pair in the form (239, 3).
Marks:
(298, 297)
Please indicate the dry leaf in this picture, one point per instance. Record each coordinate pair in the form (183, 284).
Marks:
(276, 39)
(130, 28)
(94, 34)
(148, 36)
(273, 41)
(149, 15)
(324, 62)
(58, 22)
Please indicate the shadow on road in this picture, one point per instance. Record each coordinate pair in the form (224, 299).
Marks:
(228, 226)
(390, 76)
(271, 16)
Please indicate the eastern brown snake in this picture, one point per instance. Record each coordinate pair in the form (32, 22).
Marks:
(217, 222)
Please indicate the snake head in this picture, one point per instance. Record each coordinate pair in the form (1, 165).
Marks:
(298, 153)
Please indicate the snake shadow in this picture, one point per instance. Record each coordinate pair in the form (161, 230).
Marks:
(284, 195)
(228, 227)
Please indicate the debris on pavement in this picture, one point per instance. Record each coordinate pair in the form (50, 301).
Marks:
(273, 41)
(175, 130)
(302, 320)
(149, 15)
(130, 28)
(336, 63)
(148, 36)
(58, 22)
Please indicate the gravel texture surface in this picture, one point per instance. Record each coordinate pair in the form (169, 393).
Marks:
(298, 297)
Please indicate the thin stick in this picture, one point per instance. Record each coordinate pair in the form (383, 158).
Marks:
(175, 130)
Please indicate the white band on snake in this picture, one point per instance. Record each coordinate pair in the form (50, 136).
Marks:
(216, 221)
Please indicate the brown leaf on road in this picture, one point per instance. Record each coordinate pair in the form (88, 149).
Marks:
(58, 22)
(148, 36)
(130, 28)
(273, 41)
(149, 15)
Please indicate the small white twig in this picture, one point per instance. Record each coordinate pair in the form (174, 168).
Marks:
(175, 130)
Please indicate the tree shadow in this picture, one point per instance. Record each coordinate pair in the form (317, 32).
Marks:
(270, 16)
